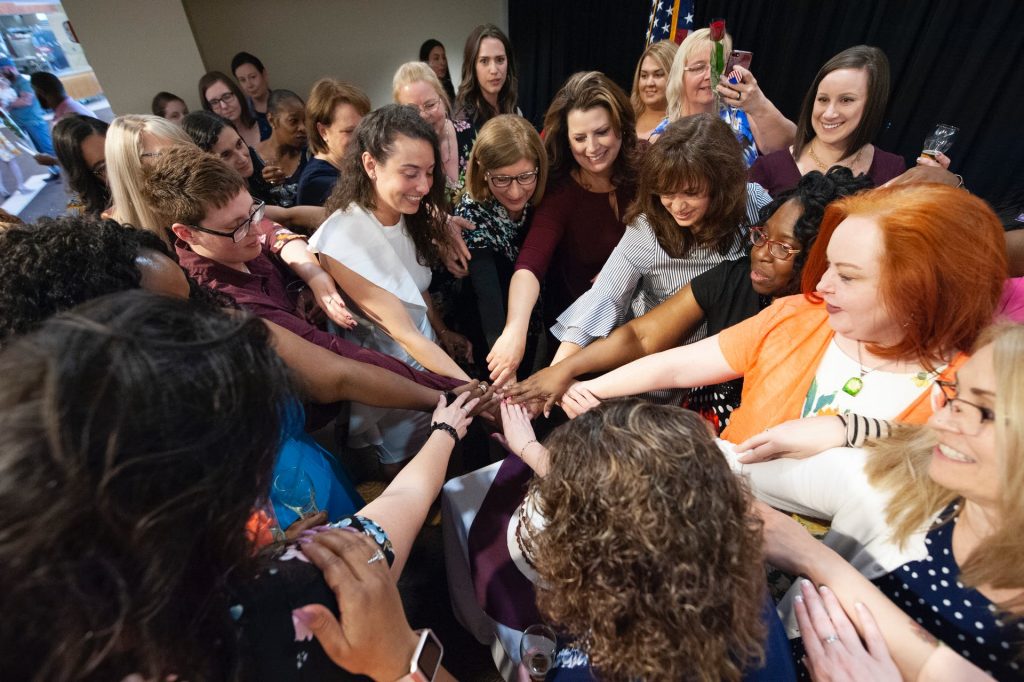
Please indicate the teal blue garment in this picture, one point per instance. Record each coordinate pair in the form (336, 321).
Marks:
(335, 493)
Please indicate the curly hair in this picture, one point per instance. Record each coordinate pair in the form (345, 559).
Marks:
(376, 135)
(649, 548)
(698, 155)
(814, 193)
(54, 264)
(125, 492)
(582, 91)
(470, 103)
(68, 135)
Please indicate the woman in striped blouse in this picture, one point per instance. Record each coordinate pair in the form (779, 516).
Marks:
(687, 218)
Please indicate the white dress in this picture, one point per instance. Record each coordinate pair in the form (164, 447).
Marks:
(386, 256)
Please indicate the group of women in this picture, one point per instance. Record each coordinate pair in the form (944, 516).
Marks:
(693, 246)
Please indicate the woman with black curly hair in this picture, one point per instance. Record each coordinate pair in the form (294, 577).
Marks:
(722, 296)
(639, 544)
(78, 143)
(138, 433)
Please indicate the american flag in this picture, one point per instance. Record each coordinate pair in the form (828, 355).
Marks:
(669, 20)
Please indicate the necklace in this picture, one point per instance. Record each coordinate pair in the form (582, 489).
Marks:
(855, 385)
(821, 164)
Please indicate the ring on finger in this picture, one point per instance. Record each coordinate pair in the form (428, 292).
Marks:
(377, 556)
(831, 639)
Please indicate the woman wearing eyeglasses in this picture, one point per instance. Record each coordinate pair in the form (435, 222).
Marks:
(723, 296)
(505, 180)
(416, 84)
(935, 518)
(756, 122)
(221, 95)
(896, 289)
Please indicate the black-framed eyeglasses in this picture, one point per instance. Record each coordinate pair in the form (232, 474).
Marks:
(970, 417)
(241, 231)
(527, 179)
(226, 98)
(780, 250)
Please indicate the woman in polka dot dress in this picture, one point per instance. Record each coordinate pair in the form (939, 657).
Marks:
(950, 551)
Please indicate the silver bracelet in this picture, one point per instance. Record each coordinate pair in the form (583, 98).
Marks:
(526, 445)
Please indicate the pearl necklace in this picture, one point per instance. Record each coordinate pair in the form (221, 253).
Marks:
(821, 164)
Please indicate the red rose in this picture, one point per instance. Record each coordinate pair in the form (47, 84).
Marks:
(718, 30)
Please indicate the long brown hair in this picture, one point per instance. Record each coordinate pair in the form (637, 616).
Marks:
(649, 549)
(470, 101)
(376, 135)
(699, 155)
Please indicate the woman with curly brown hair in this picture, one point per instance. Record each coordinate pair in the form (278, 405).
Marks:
(386, 228)
(639, 543)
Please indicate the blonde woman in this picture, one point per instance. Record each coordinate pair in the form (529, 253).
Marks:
(507, 172)
(132, 140)
(416, 84)
(650, 80)
(937, 514)
(758, 125)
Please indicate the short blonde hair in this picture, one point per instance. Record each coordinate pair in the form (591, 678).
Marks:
(416, 72)
(324, 98)
(123, 149)
(663, 53)
(504, 140)
(675, 92)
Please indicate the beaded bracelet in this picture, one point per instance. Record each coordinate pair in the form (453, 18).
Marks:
(522, 450)
(447, 428)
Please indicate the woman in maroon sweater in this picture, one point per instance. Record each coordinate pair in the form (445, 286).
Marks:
(841, 113)
(590, 138)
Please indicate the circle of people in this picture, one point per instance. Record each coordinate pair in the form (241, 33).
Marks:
(815, 336)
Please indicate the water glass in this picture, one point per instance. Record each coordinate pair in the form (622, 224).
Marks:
(537, 650)
(294, 488)
(940, 140)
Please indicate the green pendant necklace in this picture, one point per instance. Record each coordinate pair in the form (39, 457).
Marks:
(855, 385)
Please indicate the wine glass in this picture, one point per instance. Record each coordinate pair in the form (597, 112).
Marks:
(940, 140)
(537, 650)
(294, 488)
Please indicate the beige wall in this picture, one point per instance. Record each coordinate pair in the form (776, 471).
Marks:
(362, 41)
(137, 48)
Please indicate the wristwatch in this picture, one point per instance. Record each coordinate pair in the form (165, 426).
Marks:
(426, 659)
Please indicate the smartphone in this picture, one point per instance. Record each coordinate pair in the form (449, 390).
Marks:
(738, 58)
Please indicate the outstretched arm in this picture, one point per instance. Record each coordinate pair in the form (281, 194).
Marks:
(504, 358)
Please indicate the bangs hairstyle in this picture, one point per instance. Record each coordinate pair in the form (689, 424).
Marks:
(899, 465)
(419, 72)
(68, 136)
(662, 52)
(325, 97)
(470, 99)
(942, 270)
(246, 118)
(117, 404)
(674, 91)
(123, 150)
(697, 155)
(186, 183)
(649, 548)
(874, 62)
(582, 91)
(503, 141)
(376, 135)
(814, 193)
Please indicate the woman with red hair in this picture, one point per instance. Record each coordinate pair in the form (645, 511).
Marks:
(896, 288)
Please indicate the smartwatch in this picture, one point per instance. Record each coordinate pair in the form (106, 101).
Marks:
(426, 659)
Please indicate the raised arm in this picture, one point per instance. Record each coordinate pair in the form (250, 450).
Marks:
(660, 329)
(389, 313)
(772, 131)
(504, 358)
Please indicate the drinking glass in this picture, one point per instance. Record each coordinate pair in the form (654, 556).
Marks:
(537, 650)
(940, 140)
(294, 488)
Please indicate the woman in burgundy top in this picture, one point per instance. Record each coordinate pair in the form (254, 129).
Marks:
(841, 113)
(590, 138)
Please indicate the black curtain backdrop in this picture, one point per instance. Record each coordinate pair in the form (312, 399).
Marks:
(953, 61)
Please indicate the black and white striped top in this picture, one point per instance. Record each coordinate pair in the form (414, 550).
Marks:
(639, 275)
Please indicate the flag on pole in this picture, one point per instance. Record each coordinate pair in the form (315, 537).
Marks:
(669, 20)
